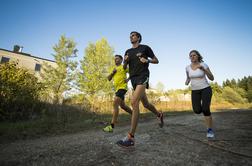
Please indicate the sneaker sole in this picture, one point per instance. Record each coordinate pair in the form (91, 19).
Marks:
(107, 131)
(125, 147)
(210, 138)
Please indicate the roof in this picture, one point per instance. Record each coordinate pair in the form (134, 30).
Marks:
(25, 54)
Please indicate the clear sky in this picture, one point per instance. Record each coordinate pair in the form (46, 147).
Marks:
(221, 30)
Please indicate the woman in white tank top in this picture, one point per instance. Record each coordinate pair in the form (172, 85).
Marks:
(196, 73)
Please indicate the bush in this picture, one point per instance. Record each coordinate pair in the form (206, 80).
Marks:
(19, 91)
(232, 96)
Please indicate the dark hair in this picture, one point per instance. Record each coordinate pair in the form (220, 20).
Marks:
(119, 56)
(138, 35)
(200, 58)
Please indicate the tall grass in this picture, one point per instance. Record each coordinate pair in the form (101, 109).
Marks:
(51, 119)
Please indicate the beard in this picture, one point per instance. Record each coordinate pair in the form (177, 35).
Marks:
(133, 42)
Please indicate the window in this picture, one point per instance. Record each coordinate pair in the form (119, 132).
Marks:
(37, 67)
(5, 59)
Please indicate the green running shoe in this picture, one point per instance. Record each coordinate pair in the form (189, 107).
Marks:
(108, 129)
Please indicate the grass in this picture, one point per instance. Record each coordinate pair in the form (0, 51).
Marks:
(63, 123)
(58, 120)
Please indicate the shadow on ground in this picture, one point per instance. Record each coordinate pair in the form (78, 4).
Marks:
(182, 141)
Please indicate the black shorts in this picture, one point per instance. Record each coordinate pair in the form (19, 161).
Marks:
(139, 80)
(121, 93)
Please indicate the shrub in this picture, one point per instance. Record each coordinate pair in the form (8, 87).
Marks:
(19, 91)
(232, 96)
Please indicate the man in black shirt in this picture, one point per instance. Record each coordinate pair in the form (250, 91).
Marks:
(138, 58)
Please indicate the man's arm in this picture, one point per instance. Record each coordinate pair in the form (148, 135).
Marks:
(154, 60)
(125, 61)
(110, 76)
(149, 53)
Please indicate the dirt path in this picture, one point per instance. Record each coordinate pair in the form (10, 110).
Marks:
(181, 142)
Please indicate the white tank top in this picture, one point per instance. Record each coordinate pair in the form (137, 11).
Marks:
(198, 77)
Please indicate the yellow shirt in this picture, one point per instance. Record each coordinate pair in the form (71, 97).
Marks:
(120, 77)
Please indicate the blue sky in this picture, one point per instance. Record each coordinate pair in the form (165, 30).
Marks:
(221, 30)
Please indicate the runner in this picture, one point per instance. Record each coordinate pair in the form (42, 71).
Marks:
(119, 76)
(138, 58)
(201, 91)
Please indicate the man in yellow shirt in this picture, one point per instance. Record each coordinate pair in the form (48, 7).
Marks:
(119, 76)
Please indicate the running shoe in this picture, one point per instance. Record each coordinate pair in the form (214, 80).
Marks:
(126, 142)
(108, 129)
(210, 133)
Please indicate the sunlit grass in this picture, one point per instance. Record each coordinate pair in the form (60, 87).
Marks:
(55, 120)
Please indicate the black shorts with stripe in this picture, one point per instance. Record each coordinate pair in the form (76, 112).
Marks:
(139, 80)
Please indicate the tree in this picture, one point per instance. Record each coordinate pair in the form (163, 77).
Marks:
(249, 95)
(233, 83)
(243, 83)
(97, 61)
(160, 87)
(226, 83)
(59, 79)
(246, 84)
(216, 88)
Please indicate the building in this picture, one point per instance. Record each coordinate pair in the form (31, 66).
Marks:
(28, 61)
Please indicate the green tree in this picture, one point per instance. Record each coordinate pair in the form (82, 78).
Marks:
(226, 83)
(249, 87)
(58, 80)
(243, 83)
(246, 84)
(95, 67)
(216, 88)
(233, 83)
(249, 95)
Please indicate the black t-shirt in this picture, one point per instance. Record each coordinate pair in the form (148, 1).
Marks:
(136, 67)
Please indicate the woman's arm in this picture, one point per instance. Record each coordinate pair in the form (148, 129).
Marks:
(187, 78)
(208, 73)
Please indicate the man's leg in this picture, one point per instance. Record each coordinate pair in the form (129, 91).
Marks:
(121, 95)
(152, 108)
(148, 105)
(125, 107)
(110, 127)
(128, 141)
(137, 95)
(116, 110)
